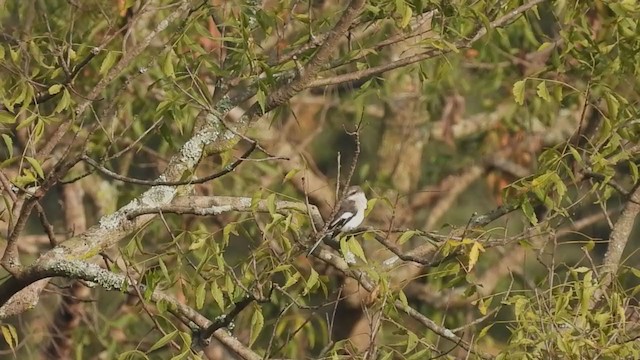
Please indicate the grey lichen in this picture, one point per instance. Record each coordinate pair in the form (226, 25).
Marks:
(77, 269)
(158, 196)
(224, 105)
(116, 220)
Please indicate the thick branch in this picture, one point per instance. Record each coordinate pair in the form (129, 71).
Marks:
(108, 280)
(214, 205)
(618, 240)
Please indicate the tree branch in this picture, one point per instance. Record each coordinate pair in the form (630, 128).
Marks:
(377, 70)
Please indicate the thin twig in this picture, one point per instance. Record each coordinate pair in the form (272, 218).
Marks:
(229, 168)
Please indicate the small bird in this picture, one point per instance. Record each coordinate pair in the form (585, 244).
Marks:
(349, 216)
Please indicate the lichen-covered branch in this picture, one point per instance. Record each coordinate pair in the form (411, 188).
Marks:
(114, 227)
(81, 270)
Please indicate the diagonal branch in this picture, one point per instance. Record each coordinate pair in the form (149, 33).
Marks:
(365, 281)
(80, 270)
(617, 242)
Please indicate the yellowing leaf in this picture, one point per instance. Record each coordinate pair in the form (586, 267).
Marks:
(543, 92)
(356, 249)
(54, 89)
(474, 253)
(370, 205)
(290, 174)
(311, 282)
(64, 102)
(9, 142)
(163, 341)
(217, 295)
(292, 280)
(613, 105)
(7, 334)
(406, 16)
(200, 295)
(271, 204)
(36, 166)
(167, 65)
(7, 118)
(108, 62)
(406, 236)
(257, 323)
(518, 91)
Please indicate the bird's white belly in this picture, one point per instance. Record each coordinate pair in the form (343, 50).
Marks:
(354, 222)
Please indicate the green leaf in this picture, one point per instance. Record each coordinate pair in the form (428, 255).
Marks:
(356, 249)
(403, 298)
(200, 295)
(292, 280)
(7, 118)
(262, 99)
(518, 91)
(412, 341)
(36, 166)
(163, 268)
(311, 282)
(167, 65)
(370, 205)
(200, 240)
(528, 211)
(64, 102)
(54, 89)
(543, 92)
(271, 204)
(163, 341)
(26, 122)
(9, 142)
(132, 354)
(217, 295)
(406, 17)
(108, 62)
(613, 105)
(230, 228)
(406, 236)
(257, 323)
(290, 175)
(484, 331)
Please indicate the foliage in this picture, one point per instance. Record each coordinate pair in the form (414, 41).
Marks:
(497, 142)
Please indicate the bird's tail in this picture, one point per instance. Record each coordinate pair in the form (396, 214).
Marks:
(313, 248)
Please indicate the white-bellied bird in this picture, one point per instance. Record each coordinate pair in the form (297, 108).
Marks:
(349, 216)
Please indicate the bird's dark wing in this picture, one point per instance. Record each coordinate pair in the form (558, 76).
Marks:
(344, 214)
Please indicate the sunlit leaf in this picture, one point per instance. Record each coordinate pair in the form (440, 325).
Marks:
(518, 91)
(108, 62)
(257, 323)
(163, 341)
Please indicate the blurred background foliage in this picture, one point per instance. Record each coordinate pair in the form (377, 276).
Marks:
(535, 114)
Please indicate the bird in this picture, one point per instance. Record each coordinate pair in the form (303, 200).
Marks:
(349, 216)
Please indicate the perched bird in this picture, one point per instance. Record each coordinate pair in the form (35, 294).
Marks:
(349, 216)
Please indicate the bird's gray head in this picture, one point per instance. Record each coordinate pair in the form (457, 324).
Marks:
(355, 193)
(353, 190)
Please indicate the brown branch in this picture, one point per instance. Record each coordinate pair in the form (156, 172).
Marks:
(617, 242)
(320, 58)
